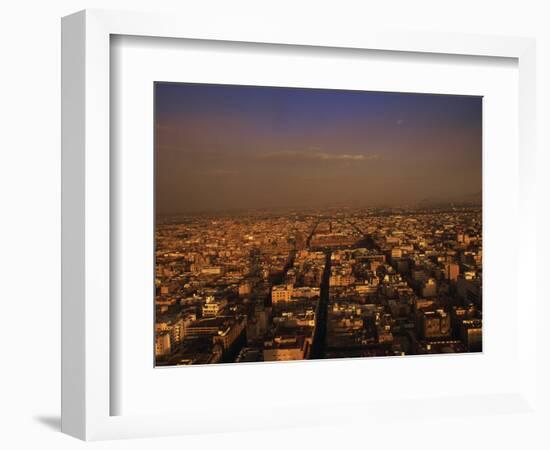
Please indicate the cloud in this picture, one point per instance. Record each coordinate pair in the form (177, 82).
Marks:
(306, 155)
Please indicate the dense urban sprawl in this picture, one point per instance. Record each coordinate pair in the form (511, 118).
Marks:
(308, 285)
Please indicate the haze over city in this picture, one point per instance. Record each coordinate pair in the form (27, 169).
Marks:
(222, 148)
(299, 224)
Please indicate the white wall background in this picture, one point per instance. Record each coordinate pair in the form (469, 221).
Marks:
(30, 196)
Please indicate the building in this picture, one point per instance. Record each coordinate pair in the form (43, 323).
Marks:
(469, 290)
(228, 335)
(341, 279)
(248, 354)
(306, 292)
(418, 275)
(245, 289)
(162, 343)
(451, 271)
(281, 293)
(212, 332)
(211, 270)
(287, 348)
(212, 307)
(471, 334)
(430, 288)
(396, 252)
(436, 324)
(178, 330)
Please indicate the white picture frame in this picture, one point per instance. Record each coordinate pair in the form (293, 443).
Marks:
(86, 217)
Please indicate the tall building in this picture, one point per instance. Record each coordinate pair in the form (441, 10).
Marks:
(162, 344)
(436, 324)
(451, 271)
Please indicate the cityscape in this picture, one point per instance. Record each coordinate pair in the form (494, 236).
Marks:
(277, 248)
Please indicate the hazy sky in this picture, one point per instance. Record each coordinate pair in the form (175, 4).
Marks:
(245, 147)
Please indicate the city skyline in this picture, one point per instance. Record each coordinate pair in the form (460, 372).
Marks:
(302, 224)
(225, 147)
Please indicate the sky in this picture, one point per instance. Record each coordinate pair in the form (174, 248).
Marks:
(225, 147)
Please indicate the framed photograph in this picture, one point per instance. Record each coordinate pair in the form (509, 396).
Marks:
(291, 225)
(267, 228)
